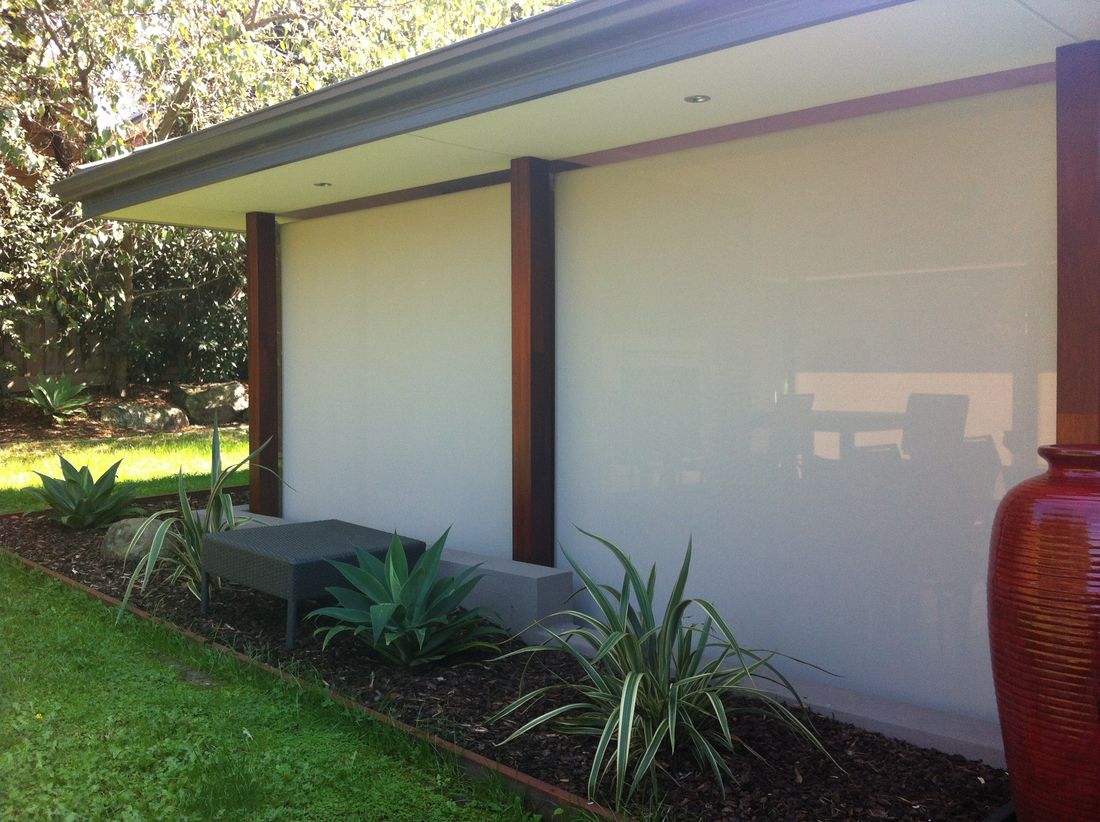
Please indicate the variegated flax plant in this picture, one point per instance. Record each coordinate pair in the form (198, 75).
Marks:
(178, 534)
(654, 685)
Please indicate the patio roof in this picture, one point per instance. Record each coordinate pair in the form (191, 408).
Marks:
(575, 83)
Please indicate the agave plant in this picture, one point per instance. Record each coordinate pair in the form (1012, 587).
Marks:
(78, 501)
(57, 397)
(655, 685)
(408, 618)
(178, 535)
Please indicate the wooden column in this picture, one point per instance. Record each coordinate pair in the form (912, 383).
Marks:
(1078, 100)
(265, 487)
(532, 362)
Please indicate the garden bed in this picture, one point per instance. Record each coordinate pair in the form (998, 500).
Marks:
(882, 778)
(21, 422)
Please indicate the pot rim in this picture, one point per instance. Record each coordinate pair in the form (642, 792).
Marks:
(1072, 455)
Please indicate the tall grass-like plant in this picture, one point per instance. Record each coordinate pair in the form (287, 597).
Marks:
(655, 685)
(177, 540)
(408, 617)
(78, 501)
(57, 397)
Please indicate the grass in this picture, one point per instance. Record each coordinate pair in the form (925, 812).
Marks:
(149, 462)
(97, 722)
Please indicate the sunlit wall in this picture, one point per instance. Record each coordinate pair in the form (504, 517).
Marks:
(397, 369)
(822, 354)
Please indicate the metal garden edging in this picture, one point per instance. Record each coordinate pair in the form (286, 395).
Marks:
(542, 797)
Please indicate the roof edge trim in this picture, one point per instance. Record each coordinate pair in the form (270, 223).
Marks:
(586, 42)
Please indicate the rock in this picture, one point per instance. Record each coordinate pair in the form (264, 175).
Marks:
(145, 417)
(226, 401)
(119, 536)
(192, 676)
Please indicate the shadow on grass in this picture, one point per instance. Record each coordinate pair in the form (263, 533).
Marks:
(255, 747)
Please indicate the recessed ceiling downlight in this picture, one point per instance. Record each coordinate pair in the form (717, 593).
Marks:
(697, 98)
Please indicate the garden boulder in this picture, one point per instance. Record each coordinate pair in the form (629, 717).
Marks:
(224, 401)
(144, 417)
(119, 536)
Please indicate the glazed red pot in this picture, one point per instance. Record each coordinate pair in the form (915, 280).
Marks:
(1044, 633)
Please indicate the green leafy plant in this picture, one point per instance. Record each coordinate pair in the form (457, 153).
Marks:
(57, 397)
(8, 369)
(78, 501)
(654, 686)
(177, 539)
(408, 617)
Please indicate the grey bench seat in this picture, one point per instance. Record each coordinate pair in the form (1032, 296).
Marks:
(292, 561)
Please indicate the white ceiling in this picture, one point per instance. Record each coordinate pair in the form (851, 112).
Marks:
(914, 44)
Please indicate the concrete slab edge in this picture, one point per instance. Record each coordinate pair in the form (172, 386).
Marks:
(950, 733)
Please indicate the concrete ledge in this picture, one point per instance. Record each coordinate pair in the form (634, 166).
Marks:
(258, 520)
(520, 593)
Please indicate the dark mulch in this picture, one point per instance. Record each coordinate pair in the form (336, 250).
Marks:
(882, 779)
(20, 422)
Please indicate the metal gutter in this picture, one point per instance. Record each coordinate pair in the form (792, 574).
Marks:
(585, 42)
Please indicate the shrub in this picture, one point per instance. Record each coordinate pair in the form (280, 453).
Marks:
(8, 370)
(57, 397)
(190, 306)
(78, 501)
(177, 540)
(652, 687)
(408, 617)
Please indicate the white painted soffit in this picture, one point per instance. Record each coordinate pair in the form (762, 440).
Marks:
(900, 47)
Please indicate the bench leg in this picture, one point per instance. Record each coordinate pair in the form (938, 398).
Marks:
(291, 622)
(204, 591)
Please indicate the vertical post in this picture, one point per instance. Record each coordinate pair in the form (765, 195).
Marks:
(264, 487)
(1078, 101)
(532, 362)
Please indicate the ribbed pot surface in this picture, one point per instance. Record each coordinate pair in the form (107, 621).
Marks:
(1044, 631)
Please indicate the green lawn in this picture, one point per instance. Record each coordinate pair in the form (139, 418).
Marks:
(149, 462)
(98, 722)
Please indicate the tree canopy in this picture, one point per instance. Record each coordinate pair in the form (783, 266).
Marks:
(84, 80)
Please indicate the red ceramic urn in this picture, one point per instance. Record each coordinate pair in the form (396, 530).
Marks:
(1044, 633)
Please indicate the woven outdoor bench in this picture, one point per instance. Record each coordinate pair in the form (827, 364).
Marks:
(292, 561)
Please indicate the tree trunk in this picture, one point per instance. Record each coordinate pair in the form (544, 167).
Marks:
(118, 378)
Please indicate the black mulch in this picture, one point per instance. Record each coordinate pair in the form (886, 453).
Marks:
(882, 778)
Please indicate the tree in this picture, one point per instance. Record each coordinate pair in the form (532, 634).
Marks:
(83, 80)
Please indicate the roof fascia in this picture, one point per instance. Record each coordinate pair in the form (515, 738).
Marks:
(576, 45)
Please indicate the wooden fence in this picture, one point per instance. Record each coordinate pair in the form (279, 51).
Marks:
(51, 354)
